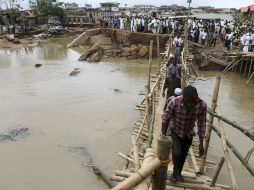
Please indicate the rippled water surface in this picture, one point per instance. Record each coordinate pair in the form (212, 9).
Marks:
(76, 120)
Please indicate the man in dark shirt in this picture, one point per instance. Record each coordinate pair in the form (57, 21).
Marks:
(180, 116)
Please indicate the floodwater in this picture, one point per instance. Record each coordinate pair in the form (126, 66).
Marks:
(76, 121)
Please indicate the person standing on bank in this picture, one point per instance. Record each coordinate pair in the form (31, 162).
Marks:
(180, 116)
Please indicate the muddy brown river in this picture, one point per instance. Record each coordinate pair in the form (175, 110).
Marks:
(76, 121)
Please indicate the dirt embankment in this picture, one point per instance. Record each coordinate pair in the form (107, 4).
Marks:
(5, 43)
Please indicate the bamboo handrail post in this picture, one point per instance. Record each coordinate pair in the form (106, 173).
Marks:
(227, 156)
(150, 64)
(210, 122)
(217, 172)
(164, 146)
(147, 105)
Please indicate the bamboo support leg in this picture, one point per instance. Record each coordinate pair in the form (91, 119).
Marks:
(217, 172)
(227, 156)
(249, 79)
(250, 68)
(245, 70)
(210, 122)
(241, 67)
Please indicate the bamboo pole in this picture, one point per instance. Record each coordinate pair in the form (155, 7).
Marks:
(190, 186)
(149, 165)
(117, 178)
(233, 124)
(245, 70)
(151, 123)
(142, 127)
(241, 67)
(122, 155)
(164, 146)
(123, 173)
(249, 79)
(150, 64)
(236, 152)
(226, 70)
(194, 161)
(231, 63)
(217, 172)
(251, 62)
(227, 156)
(135, 152)
(210, 122)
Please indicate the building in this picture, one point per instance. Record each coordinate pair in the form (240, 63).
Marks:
(88, 6)
(248, 12)
(110, 6)
(144, 7)
(71, 6)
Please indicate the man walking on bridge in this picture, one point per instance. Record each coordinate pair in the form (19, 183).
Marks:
(180, 116)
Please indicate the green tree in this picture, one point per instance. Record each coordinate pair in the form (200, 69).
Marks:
(48, 7)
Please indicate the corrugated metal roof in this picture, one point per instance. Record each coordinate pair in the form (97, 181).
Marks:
(244, 9)
(251, 8)
(214, 16)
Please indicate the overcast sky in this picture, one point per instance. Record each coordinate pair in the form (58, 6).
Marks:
(214, 3)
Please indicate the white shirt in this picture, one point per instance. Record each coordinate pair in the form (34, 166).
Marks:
(204, 36)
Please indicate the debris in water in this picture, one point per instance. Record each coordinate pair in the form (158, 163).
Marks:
(115, 70)
(38, 65)
(14, 135)
(117, 90)
(74, 72)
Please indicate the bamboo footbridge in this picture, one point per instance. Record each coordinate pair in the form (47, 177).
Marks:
(148, 164)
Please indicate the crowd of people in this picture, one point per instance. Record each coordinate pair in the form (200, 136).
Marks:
(204, 32)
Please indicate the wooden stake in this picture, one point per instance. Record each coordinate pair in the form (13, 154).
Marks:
(217, 172)
(210, 122)
(163, 150)
(227, 156)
